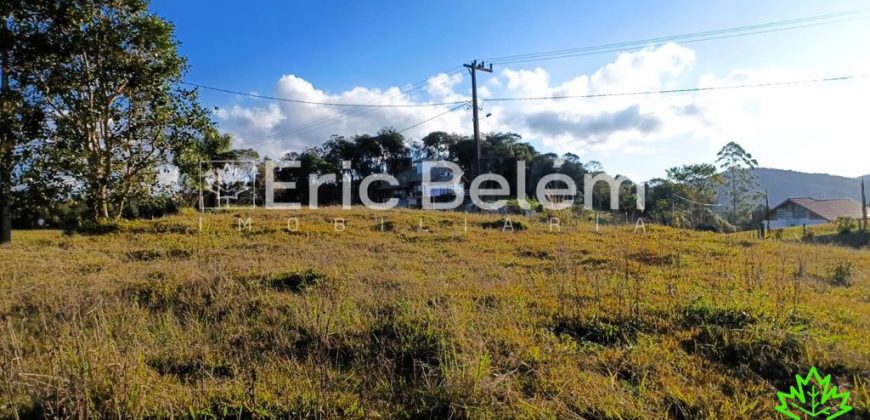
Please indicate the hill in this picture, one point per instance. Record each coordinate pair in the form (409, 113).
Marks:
(411, 314)
(782, 184)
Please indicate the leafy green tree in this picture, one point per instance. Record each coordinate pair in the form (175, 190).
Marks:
(21, 119)
(437, 144)
(687, 197)
(111, 86)
(200, 155)
(311, 162)
(741, 184)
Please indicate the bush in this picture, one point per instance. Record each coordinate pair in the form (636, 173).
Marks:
(90, 227)
(845, 225)
(842, 274)
(502, 224)
(151, 207)
(513, 206)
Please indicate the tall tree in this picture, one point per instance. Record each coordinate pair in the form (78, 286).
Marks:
(436, 145)
(206, 154)
(21, 119)
(687, 197)
(112, 90)
(6, 137)
(741, 184)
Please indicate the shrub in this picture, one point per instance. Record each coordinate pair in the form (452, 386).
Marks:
(701, 312)
(598, 331)
(845, 225)
(841, 274)
(502, 224)
(90, 227)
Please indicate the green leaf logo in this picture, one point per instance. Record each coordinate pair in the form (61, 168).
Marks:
(814, 397)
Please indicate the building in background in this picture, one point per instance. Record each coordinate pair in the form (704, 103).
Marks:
(808, 211)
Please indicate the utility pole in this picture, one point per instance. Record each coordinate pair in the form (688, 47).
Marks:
(863, 206)
(474, 67)
(766, 212)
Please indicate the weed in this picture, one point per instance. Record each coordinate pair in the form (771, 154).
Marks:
(841, 274)
(157, 319)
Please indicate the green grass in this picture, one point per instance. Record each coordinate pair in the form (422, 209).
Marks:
(158, 319)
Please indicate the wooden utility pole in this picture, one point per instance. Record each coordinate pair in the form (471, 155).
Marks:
(766, 213)
(863, 207)
(474, 67)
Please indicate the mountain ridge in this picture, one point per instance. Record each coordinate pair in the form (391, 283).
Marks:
(781, 184)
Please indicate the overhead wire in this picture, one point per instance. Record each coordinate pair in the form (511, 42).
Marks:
(327, 121)
(332, 104)
(433, 118)
(776, 26)
(683, 90)
(314, 125)
(357, 109)
(696, 202)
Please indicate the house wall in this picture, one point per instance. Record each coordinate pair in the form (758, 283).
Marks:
(784, 223)
(792, 214)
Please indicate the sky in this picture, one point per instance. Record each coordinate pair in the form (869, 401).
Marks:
(407, 53)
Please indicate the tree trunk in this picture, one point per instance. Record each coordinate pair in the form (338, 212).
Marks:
(217, 174)
(99, 193)
(101, 176)
(5, 204)
(104, 202)
(733, 196)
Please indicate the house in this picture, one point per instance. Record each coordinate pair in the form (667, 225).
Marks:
(410, 188)
(808, 211)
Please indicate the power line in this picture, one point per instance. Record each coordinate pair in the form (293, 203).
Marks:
(327, 121)
(684, 90)
(636, 93)
(335, 104)
(433, 118)
(655, 45)
(358, 109)
(695, 202)
(314, 125)
(740, 31)
(572, 52)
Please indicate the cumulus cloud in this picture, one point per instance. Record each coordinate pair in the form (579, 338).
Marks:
(597, 128)
(760, 119)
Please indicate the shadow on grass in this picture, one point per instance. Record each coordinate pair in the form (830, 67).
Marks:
(855, 240)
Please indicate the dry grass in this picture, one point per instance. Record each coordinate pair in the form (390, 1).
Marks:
(157, 319)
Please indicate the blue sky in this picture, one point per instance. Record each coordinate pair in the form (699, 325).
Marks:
(348, 50)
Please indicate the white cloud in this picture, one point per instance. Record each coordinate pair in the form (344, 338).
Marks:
(815, 127)
(810, 127)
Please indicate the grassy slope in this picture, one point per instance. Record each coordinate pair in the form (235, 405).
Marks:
(157, 319)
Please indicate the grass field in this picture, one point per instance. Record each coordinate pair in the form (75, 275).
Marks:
(385, 319)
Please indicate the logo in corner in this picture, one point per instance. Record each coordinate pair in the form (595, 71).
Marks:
(813, 397)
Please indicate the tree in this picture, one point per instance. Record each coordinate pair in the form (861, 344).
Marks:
(741, 184)
(111, 87)
(311, 162)
(437, 144)
(687, 197)
(21, 119)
